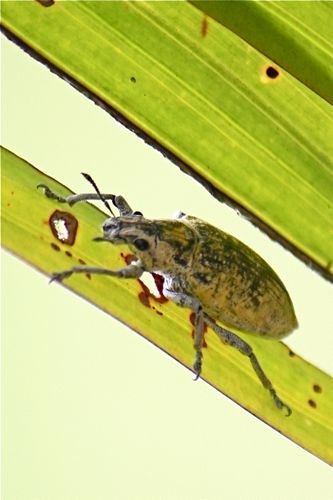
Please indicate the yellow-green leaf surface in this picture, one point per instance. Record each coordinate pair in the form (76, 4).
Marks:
(302, 386)
(298, 38)
(200, 92)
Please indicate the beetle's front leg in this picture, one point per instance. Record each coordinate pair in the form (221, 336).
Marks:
(72, 198)
(192, 303)
(117, 200)
(131, 271)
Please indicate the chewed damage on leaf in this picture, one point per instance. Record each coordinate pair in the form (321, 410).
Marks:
(64, 226)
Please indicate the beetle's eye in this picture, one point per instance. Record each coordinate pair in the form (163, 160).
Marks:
(141, 244)
(108, 225)
(137, 213)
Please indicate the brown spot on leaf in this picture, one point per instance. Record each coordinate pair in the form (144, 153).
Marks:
(69, 254)
(312, 403)
(204, 26)
(81, 261)
(55, 247)
(144, 298)
(64, 226)
(317, 388)
(291, 353)
(46, 3)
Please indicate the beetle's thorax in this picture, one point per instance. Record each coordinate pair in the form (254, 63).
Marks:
(161, 245)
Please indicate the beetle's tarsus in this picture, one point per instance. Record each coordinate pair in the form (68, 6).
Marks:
(197, 364)
(60, 276)
(50, 194)
(280, 404)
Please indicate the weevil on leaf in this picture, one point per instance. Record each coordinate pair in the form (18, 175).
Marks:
(204, 269)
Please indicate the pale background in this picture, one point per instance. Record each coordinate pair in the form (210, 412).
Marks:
(92, 410)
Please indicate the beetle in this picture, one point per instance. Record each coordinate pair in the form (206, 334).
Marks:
(204, 269)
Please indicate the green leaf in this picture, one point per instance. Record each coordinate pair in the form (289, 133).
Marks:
(32, 239)
(206, 98)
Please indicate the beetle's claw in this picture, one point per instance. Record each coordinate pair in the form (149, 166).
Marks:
(287, 408)
(46, 190)
(60, 276)
(197, 366)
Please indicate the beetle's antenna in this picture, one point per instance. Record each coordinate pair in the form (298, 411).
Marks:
(93, 183)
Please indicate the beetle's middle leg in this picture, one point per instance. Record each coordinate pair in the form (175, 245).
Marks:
(233, 340)
(192, 303)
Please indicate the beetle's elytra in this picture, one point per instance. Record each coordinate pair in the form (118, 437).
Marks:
(204, 269)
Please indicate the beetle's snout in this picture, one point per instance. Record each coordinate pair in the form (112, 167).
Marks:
(111, 228)
(110, 225)
(120, 229)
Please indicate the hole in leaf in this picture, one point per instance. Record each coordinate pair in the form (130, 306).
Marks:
(272, 72)
(64, 227)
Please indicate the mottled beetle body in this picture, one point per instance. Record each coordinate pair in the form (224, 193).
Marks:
(204, 269)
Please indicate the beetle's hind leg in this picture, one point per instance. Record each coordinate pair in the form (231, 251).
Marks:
(192, 303)
(233, 340)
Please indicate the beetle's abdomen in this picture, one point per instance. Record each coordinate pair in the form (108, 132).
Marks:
(237, 287)
(263, 310)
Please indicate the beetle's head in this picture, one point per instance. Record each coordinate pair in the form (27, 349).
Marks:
(161, 245)
(124, 229)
